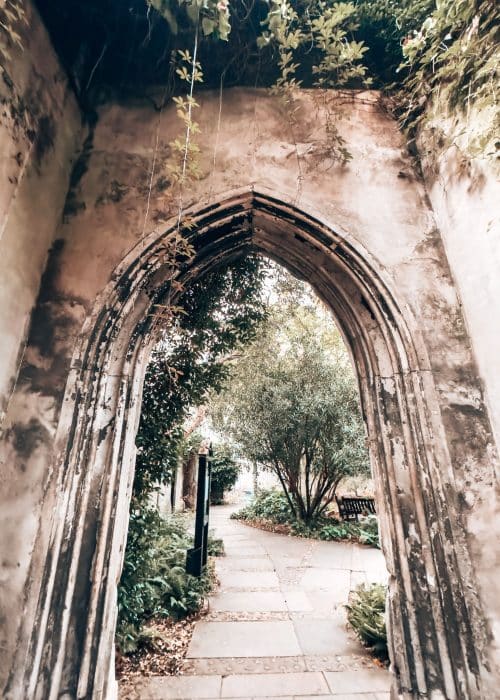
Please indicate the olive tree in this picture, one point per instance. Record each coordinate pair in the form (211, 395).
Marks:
(292, 406)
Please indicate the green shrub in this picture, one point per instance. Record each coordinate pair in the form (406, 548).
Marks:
(154, 582)
(272, 506)
(368, 531)
(215, 547)
(268, 505)
(337, 531)
(366, 615)
(224, 474)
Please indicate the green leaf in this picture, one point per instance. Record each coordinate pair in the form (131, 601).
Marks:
(208, 25)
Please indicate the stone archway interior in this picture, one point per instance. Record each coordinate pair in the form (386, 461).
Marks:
(438, 643)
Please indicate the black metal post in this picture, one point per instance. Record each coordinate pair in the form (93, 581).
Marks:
(196, 558)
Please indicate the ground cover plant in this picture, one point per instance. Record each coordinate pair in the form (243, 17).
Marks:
(271, 510)
(154, 583)
(366, 615)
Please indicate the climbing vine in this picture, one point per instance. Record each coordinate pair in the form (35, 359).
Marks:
(423, 52)
(323, 33)
(442, 53)
(212, 14)
(326, 31)
(182, 168)
(453, 61)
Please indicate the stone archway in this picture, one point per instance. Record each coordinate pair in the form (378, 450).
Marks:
(438, 634)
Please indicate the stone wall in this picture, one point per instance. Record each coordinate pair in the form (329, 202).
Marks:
(464, 192)
(39, 133)
(40, 129)
(119, 200)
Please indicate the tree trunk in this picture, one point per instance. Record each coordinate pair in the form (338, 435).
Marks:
(189, 480)
(255, 471)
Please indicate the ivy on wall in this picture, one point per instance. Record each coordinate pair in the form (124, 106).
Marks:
(453, 63)
(426, 53)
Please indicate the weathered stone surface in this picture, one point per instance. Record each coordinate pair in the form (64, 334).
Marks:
(239, 579)
(244, 564)
(272, 685)
(297, 601)
(220, 639)
(324, 637)
(364, 236)
(249, 601)
(359, 681)
(175, 688)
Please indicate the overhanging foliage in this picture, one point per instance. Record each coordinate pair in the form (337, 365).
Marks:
(221, 312)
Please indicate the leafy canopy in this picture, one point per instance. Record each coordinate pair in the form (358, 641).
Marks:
(291, 405)
(221, 312)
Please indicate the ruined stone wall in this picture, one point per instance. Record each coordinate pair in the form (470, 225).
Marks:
(465, 192)
(39, 133)
(120, 193)
(40, 129)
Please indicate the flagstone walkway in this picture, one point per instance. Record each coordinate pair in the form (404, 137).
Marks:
(277, 626)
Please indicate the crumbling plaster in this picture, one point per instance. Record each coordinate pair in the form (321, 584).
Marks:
(464, 192)
(115, 202)
(40, 129)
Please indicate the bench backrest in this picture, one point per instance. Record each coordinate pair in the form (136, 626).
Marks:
(355, 506)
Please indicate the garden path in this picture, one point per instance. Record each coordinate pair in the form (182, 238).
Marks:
(277, 625)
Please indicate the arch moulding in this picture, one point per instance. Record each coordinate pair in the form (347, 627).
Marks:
(438, 634)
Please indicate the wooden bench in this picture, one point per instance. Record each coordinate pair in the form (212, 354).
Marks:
(351, 507)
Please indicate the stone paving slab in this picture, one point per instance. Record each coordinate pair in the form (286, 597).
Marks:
(359, 681)
(245, 563)
(237, 639)
(318, 637)
(242, 580)
(262, 601)
(324, 556)
(298, 601)
(273, 685)
(237, 550)
(337, 583)
(177, 687)
(322, 606)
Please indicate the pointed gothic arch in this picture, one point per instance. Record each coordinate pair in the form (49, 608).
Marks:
(437, 634)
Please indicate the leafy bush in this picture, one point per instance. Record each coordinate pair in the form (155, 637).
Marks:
(154, 581)
(215, 547)
(368, 531)
(337, 531)
(273, 507)
(221, 312)
(366, 615)
(225, 473)
(268, 505)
